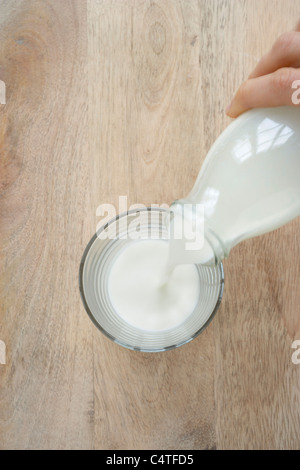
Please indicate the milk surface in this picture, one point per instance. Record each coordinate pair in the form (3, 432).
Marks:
(144, 293)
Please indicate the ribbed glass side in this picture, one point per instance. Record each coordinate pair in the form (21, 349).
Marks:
(93, 279)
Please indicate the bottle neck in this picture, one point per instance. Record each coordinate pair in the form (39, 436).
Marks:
(217, 249)
(208, 249)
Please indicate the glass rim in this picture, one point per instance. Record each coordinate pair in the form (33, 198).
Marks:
(92, 316)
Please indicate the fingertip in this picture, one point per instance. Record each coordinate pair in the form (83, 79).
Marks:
(239, 102)
(227, 109)
(233, 112)
(229, 113)
(232, 109)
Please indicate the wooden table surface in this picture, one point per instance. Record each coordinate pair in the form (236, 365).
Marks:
(107, 98)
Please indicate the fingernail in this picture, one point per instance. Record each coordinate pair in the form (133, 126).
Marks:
(228, 107)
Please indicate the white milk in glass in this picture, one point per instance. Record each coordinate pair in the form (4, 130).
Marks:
(139, 294)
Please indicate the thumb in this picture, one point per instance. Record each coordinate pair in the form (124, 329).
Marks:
(280, 88)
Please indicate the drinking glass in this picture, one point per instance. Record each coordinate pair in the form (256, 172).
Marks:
(97, 260)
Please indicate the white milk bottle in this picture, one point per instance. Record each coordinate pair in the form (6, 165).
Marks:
(248, 185)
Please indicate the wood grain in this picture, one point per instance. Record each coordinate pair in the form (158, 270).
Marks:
(108, 98)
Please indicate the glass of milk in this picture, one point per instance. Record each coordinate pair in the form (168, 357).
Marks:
(129, 294)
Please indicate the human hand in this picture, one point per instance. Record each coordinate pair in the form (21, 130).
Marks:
(270, 83)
